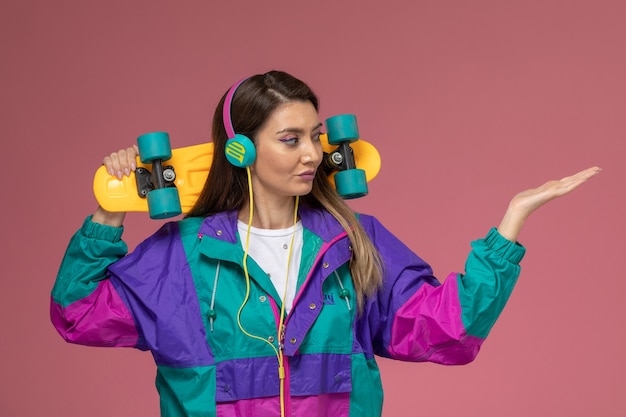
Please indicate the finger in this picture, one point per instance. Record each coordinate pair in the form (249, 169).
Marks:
(121, 163)
(108, 164)
(583, 175)
(136, 151)
(126, 158)
(116, 165)
(111, 162)
(567, 184)
(580, 177)
(131, 160)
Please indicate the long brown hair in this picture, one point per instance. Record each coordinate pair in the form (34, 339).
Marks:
(226, 187)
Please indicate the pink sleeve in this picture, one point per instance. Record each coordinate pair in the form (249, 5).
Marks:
(100, 319)
(429, 327)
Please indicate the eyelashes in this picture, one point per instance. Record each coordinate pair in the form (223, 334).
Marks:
(290, 141)
(294, 140)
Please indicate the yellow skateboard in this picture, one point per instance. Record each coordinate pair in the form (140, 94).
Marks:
(168, 181)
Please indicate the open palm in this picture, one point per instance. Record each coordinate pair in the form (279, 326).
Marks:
(526, 202)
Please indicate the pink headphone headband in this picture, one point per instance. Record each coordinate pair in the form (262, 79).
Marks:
(228, 122)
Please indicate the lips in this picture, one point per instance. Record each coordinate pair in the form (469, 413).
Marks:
(308, 175)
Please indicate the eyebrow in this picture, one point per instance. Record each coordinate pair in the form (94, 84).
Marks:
(297, 130)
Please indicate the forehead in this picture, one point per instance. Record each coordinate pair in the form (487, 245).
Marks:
(293, 115)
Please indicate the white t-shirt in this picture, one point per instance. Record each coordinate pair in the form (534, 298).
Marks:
(270, 249)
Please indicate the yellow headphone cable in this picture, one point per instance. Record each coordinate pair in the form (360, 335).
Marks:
(281, 330)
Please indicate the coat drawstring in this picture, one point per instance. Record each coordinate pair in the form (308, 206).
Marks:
(345, 294)
(211, 312)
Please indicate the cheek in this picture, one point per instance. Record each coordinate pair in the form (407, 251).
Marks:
(272, 159)
(268, 164)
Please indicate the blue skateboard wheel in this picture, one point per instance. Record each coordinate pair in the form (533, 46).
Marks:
(164, 203)
(153, 146)
(342, 128)
(351, 183)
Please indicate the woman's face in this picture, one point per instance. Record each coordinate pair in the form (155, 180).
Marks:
(288, 152)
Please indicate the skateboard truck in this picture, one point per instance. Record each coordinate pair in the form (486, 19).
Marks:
(148, 181)
(341, 158)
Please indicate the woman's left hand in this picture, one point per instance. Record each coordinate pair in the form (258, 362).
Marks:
(526, 202)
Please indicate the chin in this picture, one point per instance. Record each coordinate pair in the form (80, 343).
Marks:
(302, 191)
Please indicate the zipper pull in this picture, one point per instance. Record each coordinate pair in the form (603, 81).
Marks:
(281, 338)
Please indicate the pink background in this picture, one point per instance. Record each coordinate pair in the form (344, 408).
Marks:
(469, 102)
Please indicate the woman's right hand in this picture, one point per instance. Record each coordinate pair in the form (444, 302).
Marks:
(122, 162)
(117, 164)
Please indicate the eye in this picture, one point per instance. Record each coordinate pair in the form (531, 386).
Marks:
(291, 141)
(316, 136)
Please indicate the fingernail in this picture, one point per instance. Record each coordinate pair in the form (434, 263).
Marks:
(119, 175)
(127, 171)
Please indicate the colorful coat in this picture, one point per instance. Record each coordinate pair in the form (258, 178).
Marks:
(179, 292)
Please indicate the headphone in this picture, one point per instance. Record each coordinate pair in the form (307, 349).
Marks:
(240, 150)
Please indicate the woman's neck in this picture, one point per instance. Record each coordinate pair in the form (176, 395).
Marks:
(270, 214)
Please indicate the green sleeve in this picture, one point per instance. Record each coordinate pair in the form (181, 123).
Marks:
(491, 271)
(91, 250)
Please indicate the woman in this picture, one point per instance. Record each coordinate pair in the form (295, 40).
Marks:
(271, 297)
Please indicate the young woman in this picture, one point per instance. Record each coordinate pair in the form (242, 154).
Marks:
(272, 297)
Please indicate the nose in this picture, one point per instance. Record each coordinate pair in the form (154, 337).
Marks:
(311, 153)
